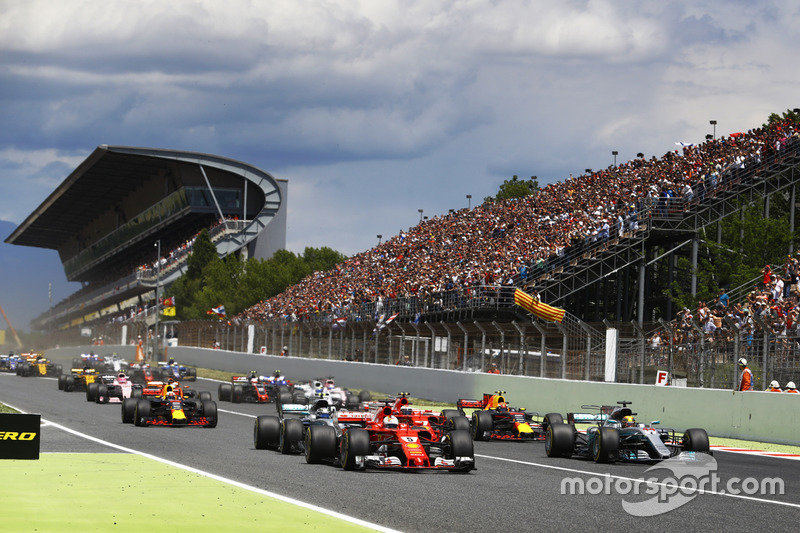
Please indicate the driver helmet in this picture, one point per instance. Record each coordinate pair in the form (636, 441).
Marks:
(324, 412)
(122, 378)
(502, 406)
(170, 393)
(390, 421)
(628, 421)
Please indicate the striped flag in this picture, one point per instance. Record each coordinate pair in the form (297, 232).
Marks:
(542, 310)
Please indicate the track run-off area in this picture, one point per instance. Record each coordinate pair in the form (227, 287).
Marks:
(216, 479)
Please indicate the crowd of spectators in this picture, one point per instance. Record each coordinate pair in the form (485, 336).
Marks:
(512, 242)
(772, 306)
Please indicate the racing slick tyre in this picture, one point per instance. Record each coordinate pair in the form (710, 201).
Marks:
(299, 396)
(461, 445)
(459, 422)
(191, 374)
(236, 394)
(320, 443)
(284, 388)
(142, 411)
(69, 383)
(204, 395)
(559, 440)
(266, 432)
(605, 446)
(695, 440)
(550, 419)
(102, 394)
(291, 432)
(351, 400)
(364, 396)
(284, 397)
(210, 413)
(136, 392)
(355, 442)
(128, 410)
(450, 413)
(91, 392)
(61, 379)
(224, 392)
(482, 423)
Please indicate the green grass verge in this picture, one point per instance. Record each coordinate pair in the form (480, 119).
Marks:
(127, 492)
(7, 409)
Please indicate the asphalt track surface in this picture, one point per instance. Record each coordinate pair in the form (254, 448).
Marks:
(516, 487)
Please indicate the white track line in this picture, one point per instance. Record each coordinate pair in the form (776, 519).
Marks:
(639, 480)
(228, 481)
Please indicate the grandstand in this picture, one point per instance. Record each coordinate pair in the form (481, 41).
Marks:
(112, 214)
(603, 246)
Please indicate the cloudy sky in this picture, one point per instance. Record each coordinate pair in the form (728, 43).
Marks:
(375, 109)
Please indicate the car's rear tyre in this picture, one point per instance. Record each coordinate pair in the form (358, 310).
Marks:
(191, 374)
(204, 395)
(355, 443)
(482, 423)
(299, 396)
(284, 397)
(364, 396)
(291, 432)
(91, 392)
(102, 394)
(128, 410)
(236, 394)
(450, 413)
(136, 392)
(551, 419)
(142, 411)
(61, 380)
(696, 440)
(459, 423)
(559, 440)
(210, 412)
(69, 383)
(320, 443)
(266, 432)
(224, 392)
(605, 446)
(351, 400)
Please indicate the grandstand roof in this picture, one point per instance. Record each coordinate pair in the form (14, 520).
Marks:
(107, 175)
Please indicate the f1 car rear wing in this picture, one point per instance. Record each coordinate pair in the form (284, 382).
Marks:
(354, 417)
(586, 418)
(470, 404)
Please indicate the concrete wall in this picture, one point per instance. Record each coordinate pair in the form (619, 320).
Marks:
(760, 416)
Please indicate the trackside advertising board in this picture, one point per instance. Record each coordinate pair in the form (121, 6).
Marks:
(19, 436)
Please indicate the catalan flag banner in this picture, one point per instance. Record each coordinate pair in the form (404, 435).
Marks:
(542, 310)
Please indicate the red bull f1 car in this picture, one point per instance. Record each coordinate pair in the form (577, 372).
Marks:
(614, 435)
(494, 419)
(167, 404)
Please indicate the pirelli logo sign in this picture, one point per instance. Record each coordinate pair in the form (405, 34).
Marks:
(19, 436)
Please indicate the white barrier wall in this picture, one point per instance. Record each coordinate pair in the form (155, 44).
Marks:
(759, 416)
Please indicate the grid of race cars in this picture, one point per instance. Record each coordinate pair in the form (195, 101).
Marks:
(353, 431)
